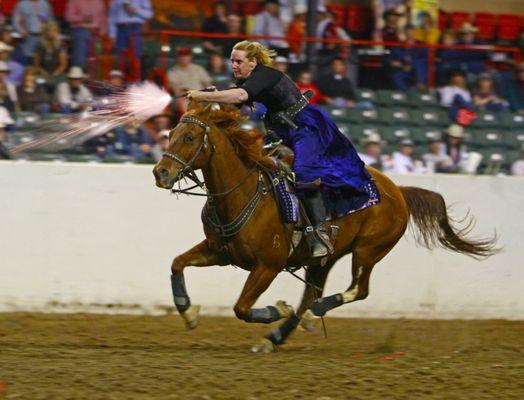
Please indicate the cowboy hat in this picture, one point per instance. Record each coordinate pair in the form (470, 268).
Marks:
(370, 138)
(456, 131)
(4, 67)
(76, 73)
(5, 47)
(468, 27)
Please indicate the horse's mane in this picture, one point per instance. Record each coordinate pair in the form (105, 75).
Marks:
(248, 142)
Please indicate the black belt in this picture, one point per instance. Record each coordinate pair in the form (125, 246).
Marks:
(287, 116)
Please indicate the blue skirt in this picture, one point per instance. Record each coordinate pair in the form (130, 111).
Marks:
(323, 152)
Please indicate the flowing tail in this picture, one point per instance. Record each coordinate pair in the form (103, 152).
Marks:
(428, 213)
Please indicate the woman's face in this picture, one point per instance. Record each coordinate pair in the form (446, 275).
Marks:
(241, 65)
(29, 79)
(485, 86)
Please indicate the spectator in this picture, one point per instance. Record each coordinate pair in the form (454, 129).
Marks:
(73, 95)
(337, 88)
(391, 30)
(158, 124)
(515, 91)
(114, 84)
(328, 29)
(86, 19)
(485, 97)
(234, 27)
(101, 145)
(32, 95)
(473, 61)
(8, 98)
(160, 147)
(126, 20)
(448, 59)
(50, 54)
(280, 63)
(517, 168)
(305, 82)
(185, 75)
(380, 11)
(408, 65)
(219, 74)
(29, 18)
(372, 154)
(17, 69)
(463, 161)
(131, 140)
(426, 31)
(216, 23)
(436, 160)
(5, 120)
(268, 23)
(403, 161)
(297, 29)
(456, 95)
(12, 38)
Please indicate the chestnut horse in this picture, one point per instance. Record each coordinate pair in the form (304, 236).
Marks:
(243, 227)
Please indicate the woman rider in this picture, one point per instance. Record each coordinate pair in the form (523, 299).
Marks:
(331, 177)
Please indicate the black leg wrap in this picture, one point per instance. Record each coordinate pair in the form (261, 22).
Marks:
(264, 315)
(280, 334)
(180, 296)
(321, 306)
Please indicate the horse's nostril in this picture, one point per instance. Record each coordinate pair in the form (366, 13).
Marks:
(164, 173)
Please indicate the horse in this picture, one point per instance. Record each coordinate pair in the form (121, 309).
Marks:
(242, 225)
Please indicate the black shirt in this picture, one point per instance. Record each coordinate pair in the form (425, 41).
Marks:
(333, 87)
(270, 87)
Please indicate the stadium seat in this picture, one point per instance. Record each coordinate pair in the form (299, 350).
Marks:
(457, 18)
(393, 116)
(421, 135)
(393, 134)
(356, 132)
(485, 119)
(392, 98)
(511, 156)
(366, 95)
(422, 99)
(487, 138)
(513, 139)
(511, 120)
(486, 23)
(337, 113)
(358, 19)
(508, 27)
(361, 115)
(429, 117)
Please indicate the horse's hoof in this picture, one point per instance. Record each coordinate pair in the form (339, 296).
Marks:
(308, 322)
(264, 347)
(284, 309)
(192, 316)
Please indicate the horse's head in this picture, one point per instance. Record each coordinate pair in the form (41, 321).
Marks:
(190, 144)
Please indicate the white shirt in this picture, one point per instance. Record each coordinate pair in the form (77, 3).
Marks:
(402, 164)
(266, 24)
(64, 96)
(518, 168)
(447, 93)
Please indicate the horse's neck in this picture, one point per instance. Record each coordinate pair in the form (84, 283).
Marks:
(225, 171)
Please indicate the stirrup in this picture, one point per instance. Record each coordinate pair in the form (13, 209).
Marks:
(318, 242)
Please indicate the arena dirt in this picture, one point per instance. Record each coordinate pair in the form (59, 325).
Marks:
(86, 356)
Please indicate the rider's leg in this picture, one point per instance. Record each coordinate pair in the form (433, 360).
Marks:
(321, 243)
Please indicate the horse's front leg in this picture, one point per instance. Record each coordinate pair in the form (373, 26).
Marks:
(200, 255)
(257, 282)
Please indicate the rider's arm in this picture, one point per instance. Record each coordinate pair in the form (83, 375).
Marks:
(230, 96)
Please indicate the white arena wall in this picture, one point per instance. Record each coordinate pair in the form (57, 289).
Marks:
(90, 237)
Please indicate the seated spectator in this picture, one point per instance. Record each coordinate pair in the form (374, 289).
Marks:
(515, 91)
(268, 23)
(221, 77)
(448, 60)
(426, 30)
(281, 64)
(13, 39)
(297, 29)
(473, 61)
(5, 120)
(131, 140)
(17, 69)
(216, 23)
(517, 168)
(463, 160)
(456, 95)
(305, 82)
(403, 160)
(337, 88)
(101, 145)
(408, 65)
(185, 75)
(32, 95)
(73, 96)
(485, 97)
(234, 27)
(114, 84)
(51, 54)
(436, 160)
(156, 125)
(372, 154)
(160, 147)
(8, 97)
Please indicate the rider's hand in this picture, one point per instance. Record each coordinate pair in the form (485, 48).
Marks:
(195, 95)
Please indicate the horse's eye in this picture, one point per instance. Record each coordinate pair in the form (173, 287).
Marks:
(189, 138)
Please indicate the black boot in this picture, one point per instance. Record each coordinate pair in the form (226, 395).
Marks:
(318, 239)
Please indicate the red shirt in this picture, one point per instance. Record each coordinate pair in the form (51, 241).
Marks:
(317, 98)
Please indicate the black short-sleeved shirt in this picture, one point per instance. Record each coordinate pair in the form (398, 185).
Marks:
(270, 87)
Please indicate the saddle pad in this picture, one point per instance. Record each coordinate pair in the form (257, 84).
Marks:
(287, 200)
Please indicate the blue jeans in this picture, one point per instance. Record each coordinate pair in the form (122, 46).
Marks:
(127, 37)
(81, 39)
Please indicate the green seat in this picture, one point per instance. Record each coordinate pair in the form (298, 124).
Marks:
(514, 139)
(429, 117)
(392, 98)
(393, 116)
(366, 95)
(422, 135)
(393, 135)
(487, 138)
(511, 156)
(485, 119)
(422, 100)
(361, 115)
(511, 120)
(337, 113)
(357, 132)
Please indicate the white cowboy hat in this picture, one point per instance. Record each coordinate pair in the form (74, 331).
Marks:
(456, 131)
(371, 138)
(468, 27)
(4, 67)
(76, 73)
(5, 47)
(300, 9)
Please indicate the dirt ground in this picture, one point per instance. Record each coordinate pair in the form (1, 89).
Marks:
(87, 356)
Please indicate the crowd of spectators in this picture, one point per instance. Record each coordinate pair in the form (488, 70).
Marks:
(44, 66)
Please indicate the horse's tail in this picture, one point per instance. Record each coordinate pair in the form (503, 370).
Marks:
(428, 213)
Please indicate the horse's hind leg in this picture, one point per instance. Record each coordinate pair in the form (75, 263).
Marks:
(363, 261)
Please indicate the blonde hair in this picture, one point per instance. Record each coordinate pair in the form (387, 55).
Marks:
(256, 51)
(51, 36)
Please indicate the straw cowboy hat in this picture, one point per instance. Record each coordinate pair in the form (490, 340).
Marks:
(468, 27)
(76, 73)
(455, 131)
(5, 47)
(371, 138)
(4, 67)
